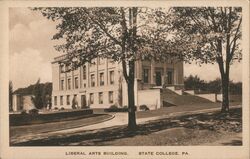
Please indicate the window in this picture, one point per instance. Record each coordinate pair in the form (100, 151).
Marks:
(111, 61)
(145, 75)
(75, 99)
(67, 67)
(76, 83)
(84, 85)
(100, 61)
(92, 62)
(61, 67)
(111, 97)
(61, 100)
(84, 72)
(101, 79)
(68, 99)
(62, 84)
(92, 80)
(55, 100)
(100, 98)
(91, 98)
(111, 76)
(83, 101)
(69, 84)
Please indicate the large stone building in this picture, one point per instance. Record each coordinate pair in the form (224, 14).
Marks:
(101, 84)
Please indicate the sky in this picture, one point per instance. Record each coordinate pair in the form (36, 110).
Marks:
(32, 51)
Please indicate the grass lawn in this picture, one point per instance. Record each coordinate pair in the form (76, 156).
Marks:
(179, 108)
(197, 129)
(17, 131)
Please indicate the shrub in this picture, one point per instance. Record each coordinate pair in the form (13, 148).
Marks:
(113, 107)
(73, 107)
(85, 107)
(23, 112)
(74, 103)
(144, 107)
(125, 107)
(33, 111)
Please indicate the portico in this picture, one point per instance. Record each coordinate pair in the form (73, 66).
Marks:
(159, 73)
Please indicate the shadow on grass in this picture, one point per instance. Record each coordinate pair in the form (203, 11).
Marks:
(233, 143)
(98, 137)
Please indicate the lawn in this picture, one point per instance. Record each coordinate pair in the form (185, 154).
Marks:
(197, 129)
(19, 131)
(179, 108)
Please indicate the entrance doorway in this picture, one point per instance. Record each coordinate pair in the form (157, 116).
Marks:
(158, 78)
(170, 77)
(83, 101)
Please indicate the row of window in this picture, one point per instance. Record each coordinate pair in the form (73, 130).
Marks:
(92, 81)
(69, 83)
(101, 61)
(146, 76)
(101, 79)
(91, 98)
(100, 97)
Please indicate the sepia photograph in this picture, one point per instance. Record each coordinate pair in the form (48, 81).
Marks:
(120, 76)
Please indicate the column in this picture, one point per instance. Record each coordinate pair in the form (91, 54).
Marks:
(73, 80)
(107, 72)
(97, 72)
(164, 81)
(80, 75)
(140, 69)
(87, 75)
(152, 72)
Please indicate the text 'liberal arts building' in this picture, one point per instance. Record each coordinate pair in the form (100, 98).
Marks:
(101, 84)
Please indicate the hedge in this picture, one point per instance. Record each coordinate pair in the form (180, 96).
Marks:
(116, 110)
(27, 119)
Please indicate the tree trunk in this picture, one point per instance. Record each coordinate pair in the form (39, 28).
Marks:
(224, 77)
(225, 94)
(131, 95)
(131, 106)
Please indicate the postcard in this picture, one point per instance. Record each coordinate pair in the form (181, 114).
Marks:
(124, 79)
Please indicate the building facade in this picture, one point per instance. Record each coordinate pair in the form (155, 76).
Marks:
(101, 84)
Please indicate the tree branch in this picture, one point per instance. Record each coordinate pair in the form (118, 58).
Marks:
(103, 29)
(235, 39)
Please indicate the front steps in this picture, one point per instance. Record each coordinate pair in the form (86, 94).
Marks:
(175, 98)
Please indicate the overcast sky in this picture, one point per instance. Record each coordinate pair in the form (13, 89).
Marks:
(31, 51)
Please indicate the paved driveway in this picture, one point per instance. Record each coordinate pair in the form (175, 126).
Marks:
(119, 119)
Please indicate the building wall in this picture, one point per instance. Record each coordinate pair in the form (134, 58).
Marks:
(15, 102)
(118, 87)
(27, 102)
(85, 87)
(151, 98)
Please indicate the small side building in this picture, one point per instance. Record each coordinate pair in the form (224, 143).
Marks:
(22, 101)
(22, 97)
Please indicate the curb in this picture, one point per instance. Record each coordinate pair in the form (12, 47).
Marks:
(74, 127)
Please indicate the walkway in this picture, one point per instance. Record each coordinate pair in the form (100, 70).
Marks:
(118, 120)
